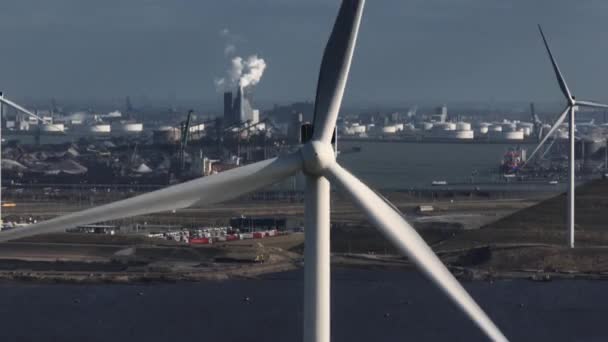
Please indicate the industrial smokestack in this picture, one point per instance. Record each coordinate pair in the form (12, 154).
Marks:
(228, 110)
(237, 107)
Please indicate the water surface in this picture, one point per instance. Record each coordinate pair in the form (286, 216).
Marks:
(366, 306)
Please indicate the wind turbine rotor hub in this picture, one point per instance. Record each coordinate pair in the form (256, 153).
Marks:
(317, 157)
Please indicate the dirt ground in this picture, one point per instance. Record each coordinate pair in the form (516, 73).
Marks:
(490, 235)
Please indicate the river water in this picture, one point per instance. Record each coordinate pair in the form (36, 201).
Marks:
(395, 165)
(366, 306)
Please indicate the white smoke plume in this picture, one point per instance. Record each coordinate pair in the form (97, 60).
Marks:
(244, 71)
(231, 40)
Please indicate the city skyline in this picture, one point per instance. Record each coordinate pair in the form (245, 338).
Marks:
(413, 52)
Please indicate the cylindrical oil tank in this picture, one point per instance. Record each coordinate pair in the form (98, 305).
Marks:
(464, 134)
(409, 127)
(100, 128)
(358, 129)
(427, 126)
(513, 135)
(132, 127)
(496, 128)
(389, 129)
(443, 126)
(463, 126)
(58, 127)
(561, 133)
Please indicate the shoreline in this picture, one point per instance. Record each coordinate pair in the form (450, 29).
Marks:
(228, 272)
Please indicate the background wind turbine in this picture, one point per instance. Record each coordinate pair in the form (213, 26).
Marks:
(571, 108)
(317, 160)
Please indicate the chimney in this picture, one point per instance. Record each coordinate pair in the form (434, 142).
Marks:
(228, 117)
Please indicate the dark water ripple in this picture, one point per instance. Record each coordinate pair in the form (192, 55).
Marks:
(216, 311)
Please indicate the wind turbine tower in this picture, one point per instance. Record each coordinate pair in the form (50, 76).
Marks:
(570, 110)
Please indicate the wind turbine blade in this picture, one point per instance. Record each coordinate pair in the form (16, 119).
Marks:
(334, 68)
(591, 104)
(406, 239)
(560, 78)
(559, 121)
(207, 190)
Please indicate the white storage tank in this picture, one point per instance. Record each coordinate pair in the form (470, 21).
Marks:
(389, 129)
(561, 133)
(464, 134)
(409, 127)
(444, 126)
(496, 128)
(483, 129)
(100, 128)
(427, 126)
(358, 129)
(463, 126)
(53, 127)
(513, 135)
(132, 127)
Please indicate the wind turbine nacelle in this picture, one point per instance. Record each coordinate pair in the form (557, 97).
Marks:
(306, 132)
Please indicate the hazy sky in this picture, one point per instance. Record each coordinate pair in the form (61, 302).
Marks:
(409, 50)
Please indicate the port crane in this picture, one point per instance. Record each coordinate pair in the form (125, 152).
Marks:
(5, 101)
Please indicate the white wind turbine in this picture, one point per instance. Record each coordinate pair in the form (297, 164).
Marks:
(571, 108)
(317, 160)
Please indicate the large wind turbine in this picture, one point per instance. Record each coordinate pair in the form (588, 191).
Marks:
(317, 160)
(571, 108)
